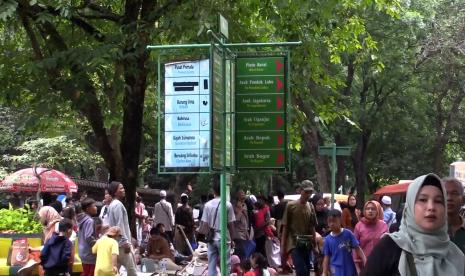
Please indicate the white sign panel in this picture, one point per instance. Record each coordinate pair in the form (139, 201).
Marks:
(187, 114)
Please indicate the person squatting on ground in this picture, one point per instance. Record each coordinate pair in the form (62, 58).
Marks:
(422, 245)
(298, 237)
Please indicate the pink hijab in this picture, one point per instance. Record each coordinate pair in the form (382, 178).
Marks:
(49, 217)
(379, 211)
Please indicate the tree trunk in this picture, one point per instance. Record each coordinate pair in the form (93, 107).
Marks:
(359, 160)
(438, 154)
(312, 140)
(341, 168)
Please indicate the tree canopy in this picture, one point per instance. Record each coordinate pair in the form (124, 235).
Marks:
(382, 76)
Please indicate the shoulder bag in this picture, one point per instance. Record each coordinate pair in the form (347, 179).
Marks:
(211, 233)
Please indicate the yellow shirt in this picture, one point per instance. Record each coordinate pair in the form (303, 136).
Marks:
(105, 247)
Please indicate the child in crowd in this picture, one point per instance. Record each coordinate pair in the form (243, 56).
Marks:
(87, 236)
(98, 225)
(146, 227)
(236, 269)
(337, 249)
(107, 251)
(56, 254)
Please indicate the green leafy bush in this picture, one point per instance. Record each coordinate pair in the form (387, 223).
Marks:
(19, 221)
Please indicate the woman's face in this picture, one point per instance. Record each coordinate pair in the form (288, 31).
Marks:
(430, 209)
(320, 205)
(370, 211)
(352, 201)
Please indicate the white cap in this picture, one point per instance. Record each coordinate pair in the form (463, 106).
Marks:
(163, 193)
(386, 200)
(184, 195)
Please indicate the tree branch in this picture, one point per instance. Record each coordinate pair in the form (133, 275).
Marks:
(33, 12)
(32, 37)
(161, 11)
(103, 13)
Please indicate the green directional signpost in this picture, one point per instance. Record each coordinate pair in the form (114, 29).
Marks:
(218, 108)
(248, 109)
(261, 112)
(333, 151)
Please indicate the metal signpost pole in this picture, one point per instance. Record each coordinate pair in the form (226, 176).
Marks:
(334, 151)
(224, 215)
(333, 173)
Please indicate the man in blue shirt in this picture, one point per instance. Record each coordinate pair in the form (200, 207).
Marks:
(389, 216)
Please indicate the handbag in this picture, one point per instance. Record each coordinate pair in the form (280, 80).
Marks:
(209, 237)
(304, 242)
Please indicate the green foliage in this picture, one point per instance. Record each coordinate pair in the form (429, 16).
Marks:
(20, 220)
(402, 53)
(58, 152)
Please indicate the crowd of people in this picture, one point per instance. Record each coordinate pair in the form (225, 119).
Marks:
(265, 235)
(425, 237)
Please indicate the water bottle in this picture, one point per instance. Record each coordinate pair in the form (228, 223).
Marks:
(163, 267)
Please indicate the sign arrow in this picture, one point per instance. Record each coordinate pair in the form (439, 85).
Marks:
(280, 140)
(280, 158)
(279, 121)
(279, 66)
(279, 102)
(279, 84)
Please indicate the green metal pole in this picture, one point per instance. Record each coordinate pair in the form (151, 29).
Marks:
(224, 216)
(179, 46)
(224, 226)
(159, 111)
(333, 174)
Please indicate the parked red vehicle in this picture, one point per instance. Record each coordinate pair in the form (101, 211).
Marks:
(397, 192)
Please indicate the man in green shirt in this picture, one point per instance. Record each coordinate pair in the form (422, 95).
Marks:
(455, 200)
(298, 235)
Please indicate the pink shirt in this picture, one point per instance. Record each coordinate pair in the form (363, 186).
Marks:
(369, 234)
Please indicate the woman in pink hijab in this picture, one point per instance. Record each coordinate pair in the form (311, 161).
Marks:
(49, 218)
(369, 229)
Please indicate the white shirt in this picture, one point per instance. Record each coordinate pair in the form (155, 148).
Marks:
(209, 214)
(163, 213)
(104, 215)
